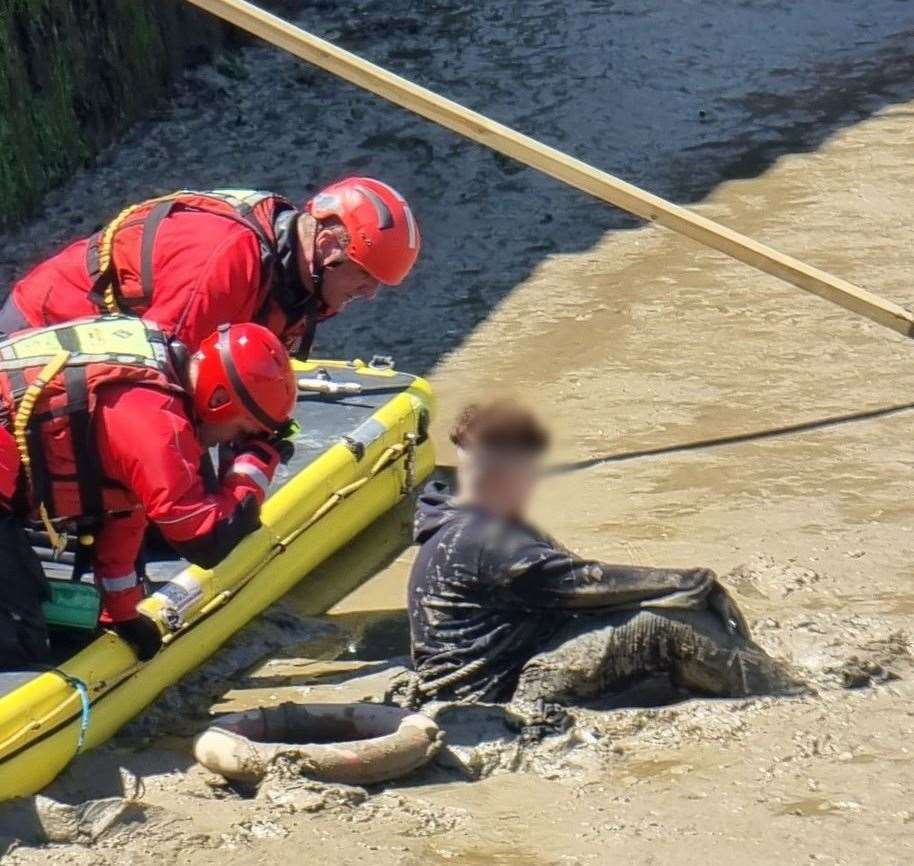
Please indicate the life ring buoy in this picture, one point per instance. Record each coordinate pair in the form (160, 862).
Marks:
(354, 744)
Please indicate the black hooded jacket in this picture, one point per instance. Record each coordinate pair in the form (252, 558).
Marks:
(485, 594)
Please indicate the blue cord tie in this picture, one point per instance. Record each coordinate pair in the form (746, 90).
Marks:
(85, 712)
(86, 705)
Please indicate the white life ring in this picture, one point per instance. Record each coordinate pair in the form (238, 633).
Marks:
(355, 744)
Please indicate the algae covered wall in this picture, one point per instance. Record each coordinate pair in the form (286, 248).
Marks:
(73, 73)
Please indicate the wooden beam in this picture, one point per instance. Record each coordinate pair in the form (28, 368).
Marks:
(548, 160)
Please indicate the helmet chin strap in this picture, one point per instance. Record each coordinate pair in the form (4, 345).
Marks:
(289, 292)
(315, 267)
(317, 276)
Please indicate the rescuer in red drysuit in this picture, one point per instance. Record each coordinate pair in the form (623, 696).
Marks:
(124, 444)
(194, 260)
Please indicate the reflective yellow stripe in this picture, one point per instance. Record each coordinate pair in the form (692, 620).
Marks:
(109, 337)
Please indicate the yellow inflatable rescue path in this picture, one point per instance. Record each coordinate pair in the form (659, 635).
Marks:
(362, 446)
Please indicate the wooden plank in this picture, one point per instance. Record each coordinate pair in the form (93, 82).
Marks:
(574, 172)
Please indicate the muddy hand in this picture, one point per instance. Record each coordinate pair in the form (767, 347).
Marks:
(722, 604)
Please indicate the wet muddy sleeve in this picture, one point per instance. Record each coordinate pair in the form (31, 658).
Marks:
(539, 575)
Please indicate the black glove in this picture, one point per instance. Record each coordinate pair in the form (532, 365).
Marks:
(142, 634)
(285, 448)
(281, 440)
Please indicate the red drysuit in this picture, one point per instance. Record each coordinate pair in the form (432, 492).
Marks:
(150, 463)
(207, 267)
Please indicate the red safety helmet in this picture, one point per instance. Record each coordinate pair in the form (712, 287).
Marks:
(243, 372)
(383, 234)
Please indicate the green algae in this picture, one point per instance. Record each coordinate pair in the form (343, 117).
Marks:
(75, 73)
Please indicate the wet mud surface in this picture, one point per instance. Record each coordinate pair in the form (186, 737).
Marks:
(632, 341)
(677, 97)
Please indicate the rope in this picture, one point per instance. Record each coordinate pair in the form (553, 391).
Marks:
(404, 449)
(80, 691)
(85, 715)
(20, 434)
(417, 691)
(106, 246)
(409, 464)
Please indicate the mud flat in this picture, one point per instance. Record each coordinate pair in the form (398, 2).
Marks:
(636, 341)
(659, 346)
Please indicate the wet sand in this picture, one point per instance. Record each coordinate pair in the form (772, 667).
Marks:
(638, 340)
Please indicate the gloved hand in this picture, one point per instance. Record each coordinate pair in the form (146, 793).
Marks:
(285, 448)
(259, 452)
(721, 603)
(252, 467)
(142, 634)
(282, 440)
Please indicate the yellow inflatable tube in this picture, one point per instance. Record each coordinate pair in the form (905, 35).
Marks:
(45, 722)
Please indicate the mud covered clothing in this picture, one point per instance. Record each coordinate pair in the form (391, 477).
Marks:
(207, 271)
(596, 657)
(486, 594)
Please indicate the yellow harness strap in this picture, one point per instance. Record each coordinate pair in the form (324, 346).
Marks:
(20, 429)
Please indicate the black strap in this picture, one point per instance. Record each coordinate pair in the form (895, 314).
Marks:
(208, 474)
(223, 344)
(85, 448)
(18, 386)
(68, 339)
(150, 229)
(100, 281)
(83, 555)
(303, 349)
(42, 490)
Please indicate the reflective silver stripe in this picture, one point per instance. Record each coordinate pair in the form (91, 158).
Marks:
(410, 219)
(382, 211)
(193, 514)
(411, 225)
(119, 584)
(252, 472)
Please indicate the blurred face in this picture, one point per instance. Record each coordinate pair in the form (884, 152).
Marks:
(502, 483)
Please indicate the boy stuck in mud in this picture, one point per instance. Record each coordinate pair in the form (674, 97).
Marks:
(499, 611)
